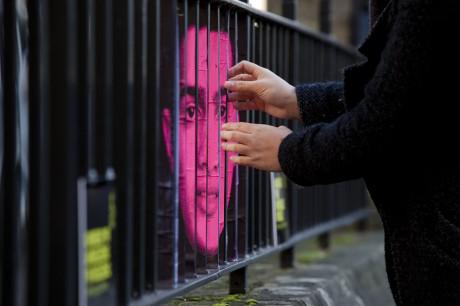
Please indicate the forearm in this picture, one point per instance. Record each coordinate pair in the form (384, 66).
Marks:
(391, 119)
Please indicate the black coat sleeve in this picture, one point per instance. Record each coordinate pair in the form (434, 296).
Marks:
(320, 102)
(326, 153)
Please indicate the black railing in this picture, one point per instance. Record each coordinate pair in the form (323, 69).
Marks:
(114, 189)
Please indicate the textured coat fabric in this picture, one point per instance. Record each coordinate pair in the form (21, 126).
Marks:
(394, 122)
(376, 8)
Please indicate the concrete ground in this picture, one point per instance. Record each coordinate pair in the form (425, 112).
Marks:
(351, 273)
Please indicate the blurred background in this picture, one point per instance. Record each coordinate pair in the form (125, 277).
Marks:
(346, 20)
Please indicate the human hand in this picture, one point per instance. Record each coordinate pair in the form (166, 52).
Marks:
(256, 144)
(255, 88)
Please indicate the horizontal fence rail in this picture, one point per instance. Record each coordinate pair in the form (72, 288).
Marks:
(114, 188)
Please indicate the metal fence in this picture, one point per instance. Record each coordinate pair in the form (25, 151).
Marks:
(114, 189)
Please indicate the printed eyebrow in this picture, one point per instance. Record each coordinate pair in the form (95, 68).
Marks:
(223, 93)
(190, 90)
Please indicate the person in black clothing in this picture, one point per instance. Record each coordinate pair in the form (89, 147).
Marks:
(394, 122)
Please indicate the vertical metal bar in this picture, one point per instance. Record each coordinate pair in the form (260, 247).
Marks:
(219, 149)
(252, 198)
(199, 258)
(242, 52)
(16, 152)
(39, 143)
(228, 216)
(237, 168)
(63, 151)
(212, 262)
(269, 217)
(273, 47)
(86, 137)
(254, 119)
(185, 268)
(207, 107)
(108, 88)
(156, 162)
(88, 57)
(176, 141)
(153, 139)
(130, 142)
(2, 153)
(197, 97)
(248, 185)
(167, 168)
(261, 174)
(94, 211)
(225, 239)
(139, 135)
(123, 45)
(230, 211)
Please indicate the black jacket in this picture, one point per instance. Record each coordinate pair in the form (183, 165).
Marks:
(394, 122)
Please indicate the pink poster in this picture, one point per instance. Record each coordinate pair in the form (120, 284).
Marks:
(205, 181)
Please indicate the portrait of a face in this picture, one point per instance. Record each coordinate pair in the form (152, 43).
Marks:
(203, 177)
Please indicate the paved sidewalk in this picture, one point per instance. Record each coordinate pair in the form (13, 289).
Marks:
(351, 275)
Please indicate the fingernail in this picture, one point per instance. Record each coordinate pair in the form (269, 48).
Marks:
(224, 125)
(223, 145)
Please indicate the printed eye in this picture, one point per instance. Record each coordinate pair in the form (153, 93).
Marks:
(190, 112)
(222, 111)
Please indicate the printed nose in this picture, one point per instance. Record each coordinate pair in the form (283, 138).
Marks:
(213, 163)
(208, 155)
(202, 155)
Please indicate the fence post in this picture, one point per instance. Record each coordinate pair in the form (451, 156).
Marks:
(287, 257)
(238, 281)
(362, 225)
(324, 241)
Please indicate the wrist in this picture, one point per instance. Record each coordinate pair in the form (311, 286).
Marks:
(293, 105)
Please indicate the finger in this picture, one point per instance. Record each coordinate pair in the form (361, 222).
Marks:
(239, 96)
(241, 86)
(236, 148)
(243, 77)
(242, 160)
(235, 136)
(245, 67)
(239, 126)
(248, 105)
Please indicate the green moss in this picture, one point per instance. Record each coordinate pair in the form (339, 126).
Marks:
(344, 239)
(311, 256)
(231, 298)
(218, 300)
(251, 302)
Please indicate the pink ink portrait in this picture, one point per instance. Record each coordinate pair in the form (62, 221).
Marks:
(203, 175)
